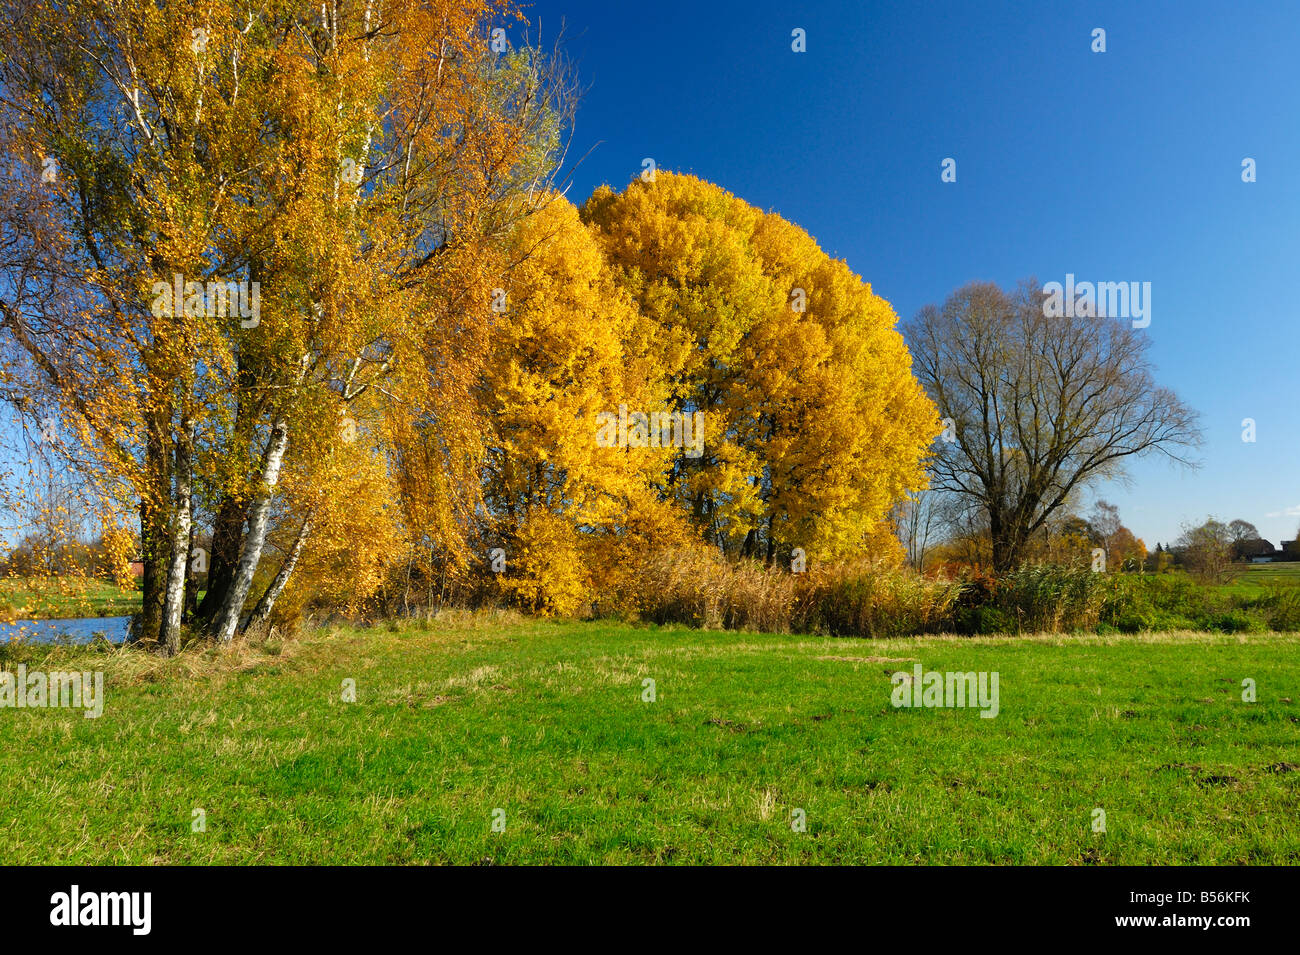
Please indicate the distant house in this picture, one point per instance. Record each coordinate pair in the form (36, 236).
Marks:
(137, 568)
(1256, 551)
(1263, 552)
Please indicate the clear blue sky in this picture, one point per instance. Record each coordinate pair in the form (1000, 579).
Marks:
(1123, 165)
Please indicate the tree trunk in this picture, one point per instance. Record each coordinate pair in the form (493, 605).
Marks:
(191, 579)
(259, 513)
(227, 535)
(153, 535)
(264, 606)
(999, 540)
(169, 636)
(228, 527)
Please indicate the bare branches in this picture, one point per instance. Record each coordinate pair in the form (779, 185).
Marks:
(1041, 406)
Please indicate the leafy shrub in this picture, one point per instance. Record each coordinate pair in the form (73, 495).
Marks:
(973, 621)
(1238, 621)
(1281, 608)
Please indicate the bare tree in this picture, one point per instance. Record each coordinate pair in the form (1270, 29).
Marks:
(1208, 550)
(1241, 531)
(1246, 541)
(1106, 525)
(1040, 407)
(919, 519)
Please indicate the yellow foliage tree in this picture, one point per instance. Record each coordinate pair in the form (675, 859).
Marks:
(230, 224)
(567, 348)
(815, 425)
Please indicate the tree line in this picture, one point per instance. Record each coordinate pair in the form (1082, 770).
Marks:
(300, 282)
(300, 286)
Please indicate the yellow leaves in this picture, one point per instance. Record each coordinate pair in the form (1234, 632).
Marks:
(564, 352)
(549, 573)
(471, 424)
(816, 424)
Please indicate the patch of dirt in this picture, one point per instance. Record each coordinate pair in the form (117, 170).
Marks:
(870, 659)
(726, 724)
(1202, 778)
(1215, 780)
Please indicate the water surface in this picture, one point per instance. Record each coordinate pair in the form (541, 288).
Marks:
(71, 630)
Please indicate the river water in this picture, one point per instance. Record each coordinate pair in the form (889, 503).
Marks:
(82, 630)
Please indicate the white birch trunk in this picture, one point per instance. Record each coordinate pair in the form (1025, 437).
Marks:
(174, 601)
(259, 512)
(264, 606)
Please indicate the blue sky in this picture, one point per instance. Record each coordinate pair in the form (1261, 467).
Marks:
(1115, 166)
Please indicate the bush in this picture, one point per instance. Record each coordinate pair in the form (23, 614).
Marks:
(871, 601)
(1238, 621)
(973, 621)
(1281, 608)
(1049, 597)
(697, 587)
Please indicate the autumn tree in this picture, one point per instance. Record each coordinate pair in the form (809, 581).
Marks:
(1105, 523)
(234, 224)
(1207, 549)
(567, 346)
(1041, 407)
(1125, 551)
(814, 424)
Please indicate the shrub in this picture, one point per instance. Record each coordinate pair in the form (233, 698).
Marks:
(973, 621)
(1281, 608)
(1238, 621)
(871, 601)
(1052, 597)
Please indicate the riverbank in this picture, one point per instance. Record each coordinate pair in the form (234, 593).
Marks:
(65, 598)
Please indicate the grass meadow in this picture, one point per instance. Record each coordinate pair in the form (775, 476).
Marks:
(65, 597)
(547, 722)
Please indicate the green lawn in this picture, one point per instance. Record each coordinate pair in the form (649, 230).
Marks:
(1255, 579)
(65, 597)
(546, 722)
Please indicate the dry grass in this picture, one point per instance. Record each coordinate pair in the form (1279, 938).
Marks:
(127, 665)
(704, 590)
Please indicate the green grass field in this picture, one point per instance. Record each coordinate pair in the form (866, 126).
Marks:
(546, 722)
(65, 597)
(1254, 579)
